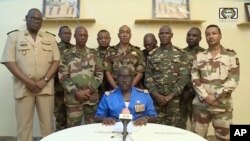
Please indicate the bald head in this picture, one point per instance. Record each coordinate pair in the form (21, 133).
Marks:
(124, 35)
(81, 36)
(165, 27)
(165, 34)
(34, 20)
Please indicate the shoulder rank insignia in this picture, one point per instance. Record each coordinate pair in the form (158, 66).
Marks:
(12, 31)
(231, 50)
(107, 93)
(50, 33)
(142, 90)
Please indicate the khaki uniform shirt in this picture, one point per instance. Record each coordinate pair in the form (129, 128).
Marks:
(218, 76)
(33, 57)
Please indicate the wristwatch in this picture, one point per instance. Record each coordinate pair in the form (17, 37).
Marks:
(46, 79)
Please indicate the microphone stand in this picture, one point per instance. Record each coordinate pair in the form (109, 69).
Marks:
(125, 132)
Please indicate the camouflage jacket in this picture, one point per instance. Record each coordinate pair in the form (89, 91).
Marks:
(217, 76)
(102, 52)
(191, 53)
(115, 58)
(166, 70)
(63, 48)
(80, 70)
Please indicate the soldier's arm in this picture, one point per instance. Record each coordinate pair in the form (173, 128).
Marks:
(107, 69)
(149, 79)
(140, 68)
(232, 80)
(98, 75)
(55, 62)
(9, 60)
(183, 77)
(137, 78)
(110, 79)
(64, 78)
(197, 84)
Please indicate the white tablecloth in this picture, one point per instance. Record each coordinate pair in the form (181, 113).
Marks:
(99, 132)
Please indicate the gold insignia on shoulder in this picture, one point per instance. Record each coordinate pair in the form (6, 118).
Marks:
(26, 34)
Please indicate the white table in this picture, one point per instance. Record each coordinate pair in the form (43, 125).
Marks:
(99, 132)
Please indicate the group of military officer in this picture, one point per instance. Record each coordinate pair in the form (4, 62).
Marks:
(173, 76)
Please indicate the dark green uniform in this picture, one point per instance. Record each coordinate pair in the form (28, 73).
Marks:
(166, 73)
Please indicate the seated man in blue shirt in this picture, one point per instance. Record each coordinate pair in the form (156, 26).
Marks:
(138, 102)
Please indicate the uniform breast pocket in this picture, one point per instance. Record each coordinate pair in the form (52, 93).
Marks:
(224, 69)
(23, 51)
(176, 66)
(157, 66)
(47, 52)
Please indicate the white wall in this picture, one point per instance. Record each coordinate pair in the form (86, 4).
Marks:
(111, 14)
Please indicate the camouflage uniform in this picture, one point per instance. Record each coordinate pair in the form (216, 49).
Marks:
(116, 58)
(188, 92)
(217, 76)
(104, 85)
(166, 73)
(80, 70)
(60, 108)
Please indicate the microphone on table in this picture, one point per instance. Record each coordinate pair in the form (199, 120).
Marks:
(125, 118)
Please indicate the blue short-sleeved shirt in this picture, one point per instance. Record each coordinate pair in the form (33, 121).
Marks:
(112, 104)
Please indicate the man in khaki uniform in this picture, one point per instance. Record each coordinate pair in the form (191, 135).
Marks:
(32, 57)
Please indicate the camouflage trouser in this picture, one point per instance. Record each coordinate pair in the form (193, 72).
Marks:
(220, 121)
(169, 114)
(60, 111)
(185, 108)
(80, 114)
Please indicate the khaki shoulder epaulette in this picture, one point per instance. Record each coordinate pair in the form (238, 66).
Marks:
(12, 31)
(50, 33)
(142, 90)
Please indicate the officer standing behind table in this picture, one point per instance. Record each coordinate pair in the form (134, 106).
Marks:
(124, 54)
(150, 43)
(81, 73)
(165, 76)
(138, 102)
(32, 57)
(103, 39)
(60, 109)
(193, 39)
(215, 75)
